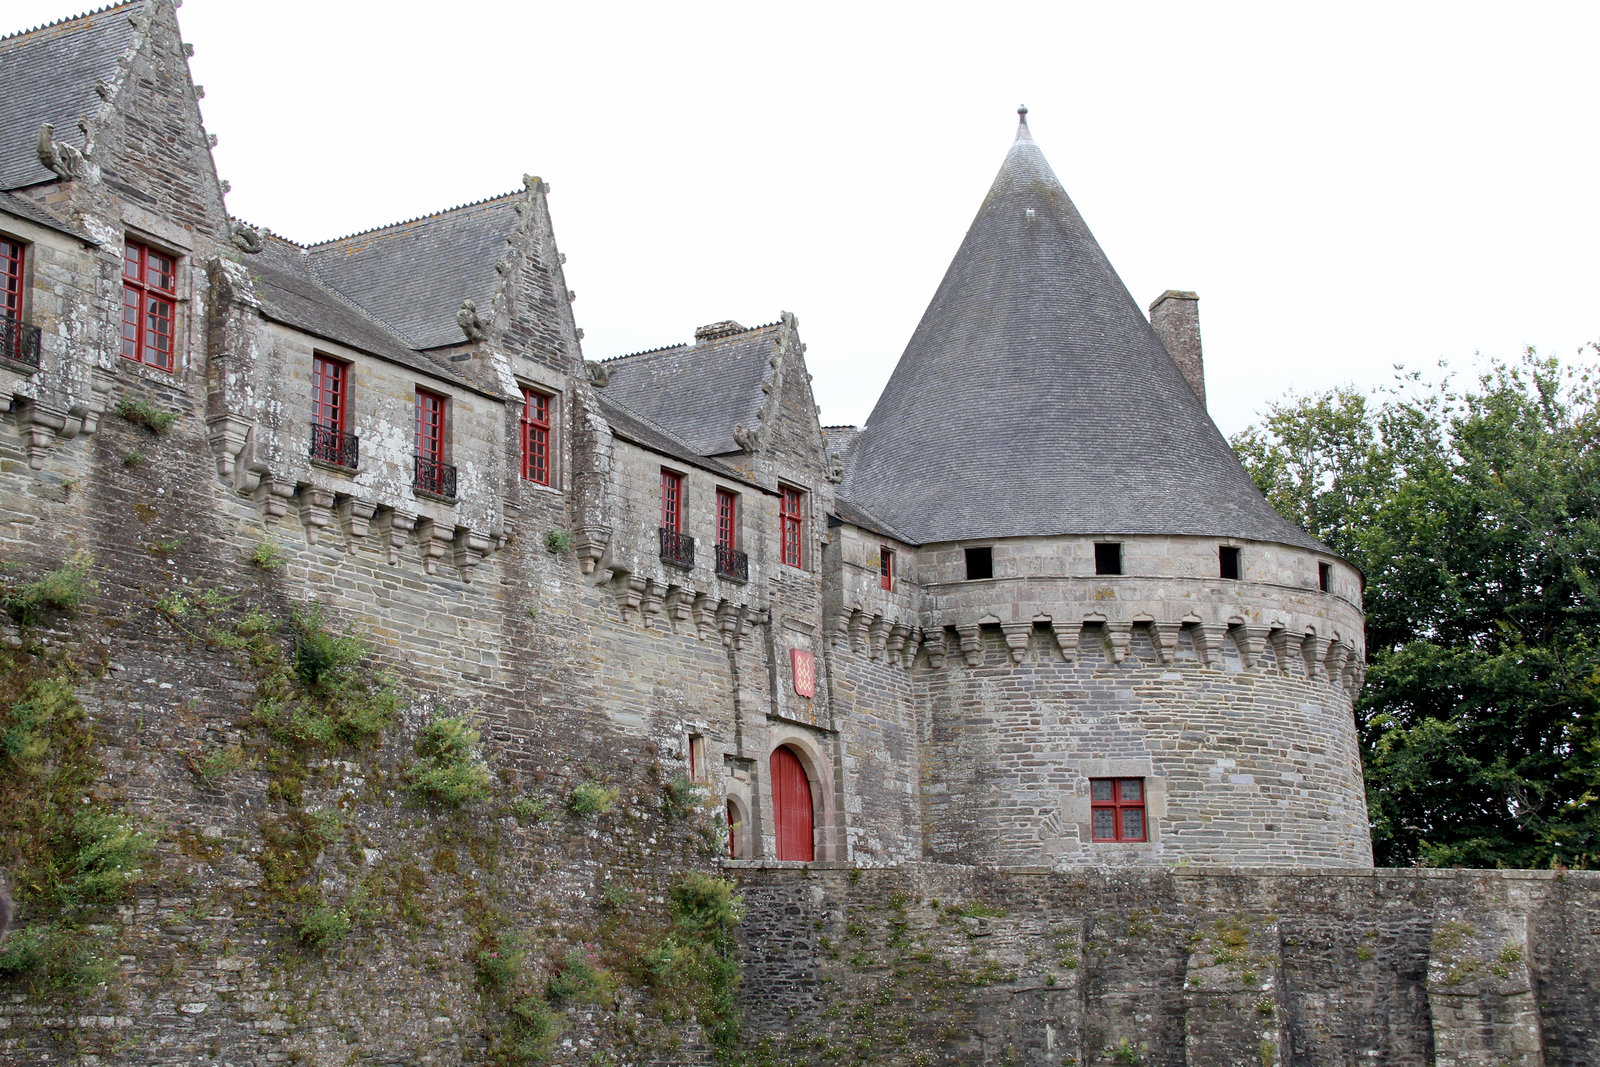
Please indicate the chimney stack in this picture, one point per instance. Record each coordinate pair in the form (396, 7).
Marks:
(1175, 316)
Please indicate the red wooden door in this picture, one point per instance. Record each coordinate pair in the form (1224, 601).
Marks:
(791, 807)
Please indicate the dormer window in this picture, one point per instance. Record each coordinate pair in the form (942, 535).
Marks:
(535, 436)
(791, 525)
(149, 305)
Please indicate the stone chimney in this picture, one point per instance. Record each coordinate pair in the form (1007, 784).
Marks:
(1175, 316)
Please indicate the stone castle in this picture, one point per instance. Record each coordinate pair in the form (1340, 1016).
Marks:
(1033, 617)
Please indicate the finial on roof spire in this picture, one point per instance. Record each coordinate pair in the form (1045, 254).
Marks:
(1023, 133)
(1022, 111)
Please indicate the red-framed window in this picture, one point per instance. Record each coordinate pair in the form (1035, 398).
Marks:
(1117, 809)
(790, 523)
(727, 518)
(886, 568)
(149, 305)
(330, 392)
(431, 426)
(535, 436)
(13, 255)
(671, 501)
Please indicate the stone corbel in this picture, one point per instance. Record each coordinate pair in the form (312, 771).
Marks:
(355, 518)
(727, 621)
(908, 655)
(859, 621)
(630, 594)
(1283, 650)
(273, 496)
(877, 634)
(1164, 636)
(896, 640)
(394, 530)
(705, 616)
(933, 641)
(316, 508)
(748, 618)
(471, 549)
(228, 434)
(971, 644)
(433, 538)
(589, 545)
(680, 603)
(1067, 634)
(1208, 638)
(1119, 638)
(41, 425)
(1018, 634)
(839, 630)
(1252, 642)
(1336, 660)
(650, 601)
(1312, 650)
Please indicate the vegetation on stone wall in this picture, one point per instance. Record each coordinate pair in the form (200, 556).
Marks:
(72, 854)
(1474, 512)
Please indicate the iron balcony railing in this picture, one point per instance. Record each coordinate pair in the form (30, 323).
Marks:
(19, 341)
(435, 479)
(677, 548)
(731, 563)
(334, 446)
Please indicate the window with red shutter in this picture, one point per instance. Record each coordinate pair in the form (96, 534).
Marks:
(1117, 809)
(535, 436)
(671, 501)
(727, 518)
(12, 256)
(886, 568)
(149, 305)
(790, 523)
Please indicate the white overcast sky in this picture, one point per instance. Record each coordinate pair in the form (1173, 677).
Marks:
(1346, 186)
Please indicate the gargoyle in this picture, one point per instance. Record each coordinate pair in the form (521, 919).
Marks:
(599, 373)
(471, 324)
(749, 440)
(62, 159)
(248, 239)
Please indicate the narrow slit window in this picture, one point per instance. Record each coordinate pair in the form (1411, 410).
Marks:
(727, 519)
(980, 563)
(1108, 557)
(886, 569)
(671, 501)
(1324, 576)
(697, 757)
(1228, 561)
(1117, 808)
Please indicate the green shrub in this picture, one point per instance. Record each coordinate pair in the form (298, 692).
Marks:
(321, 657)
(268, 556)
(579, 977)
(558, 541)
(321, 927)
(218, 763)
(703, 903)
(134, 458)
(683, 797)
(143, 413)
(449, 770)
(534, 1028)
(63, 590)
(531, 808)
(591, 798)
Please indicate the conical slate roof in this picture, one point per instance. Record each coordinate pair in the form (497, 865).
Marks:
(1034, 399)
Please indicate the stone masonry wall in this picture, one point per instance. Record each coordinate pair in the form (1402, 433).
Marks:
(936, 964)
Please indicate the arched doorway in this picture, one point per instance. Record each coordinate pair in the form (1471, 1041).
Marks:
(792, 811)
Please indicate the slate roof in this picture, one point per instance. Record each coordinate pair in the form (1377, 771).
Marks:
(698, 392)
(414, 275)
(291, 293)
(22, 207)
(1034, 399)
(641, 431)
(48, 74)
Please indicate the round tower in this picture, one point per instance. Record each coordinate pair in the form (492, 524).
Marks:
(1128, 655)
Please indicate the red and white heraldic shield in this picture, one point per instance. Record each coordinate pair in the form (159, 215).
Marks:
(804, 670)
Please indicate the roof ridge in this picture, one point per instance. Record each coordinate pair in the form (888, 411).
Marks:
(66, 19)
(418, 218)
(266, 231)
(646, 352)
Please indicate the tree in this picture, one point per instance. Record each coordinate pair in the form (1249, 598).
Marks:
(1475, 515)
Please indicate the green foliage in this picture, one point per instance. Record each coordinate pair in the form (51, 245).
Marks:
(322, 927)
(449, 771)
(143, 413)
(532, 808)
(1475, 515)
(62, 590)
(268, 555)
(73, 858)
(321, 657)
(683, 796)
(579, 976)
(591, 798)
(134, 458)
(704, 904)
(1125, 1051)
(530, 1027)
(558, 541)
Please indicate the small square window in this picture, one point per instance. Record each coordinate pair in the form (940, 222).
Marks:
(1228, 561)
(1324, 576)
(1117, 809)
(980, 563)
(1107, 557)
